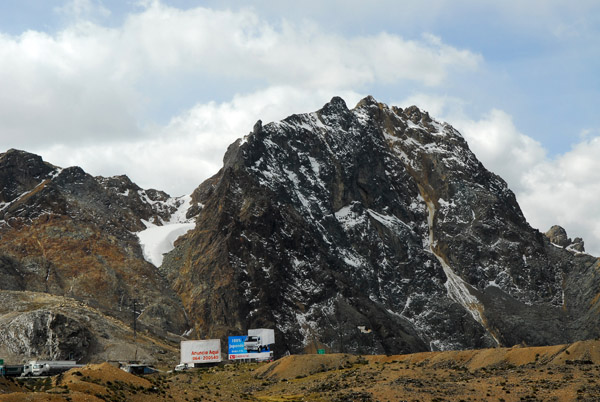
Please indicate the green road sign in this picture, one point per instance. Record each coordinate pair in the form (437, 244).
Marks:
(321, 351)
(1, 362)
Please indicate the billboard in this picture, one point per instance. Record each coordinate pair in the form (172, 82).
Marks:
(204, 351)
(256, 345)
(260, 340)
(236, 345)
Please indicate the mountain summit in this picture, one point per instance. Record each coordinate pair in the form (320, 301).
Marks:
(365, 230)
(373, 230)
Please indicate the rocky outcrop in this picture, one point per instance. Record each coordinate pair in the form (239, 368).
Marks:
(42, 326)
(44, 332)
(20, 172)
(67, 233)
(558, 236)
(375, 217)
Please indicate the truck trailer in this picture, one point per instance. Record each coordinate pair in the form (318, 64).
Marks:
(11, 370)
(259, 340)
(48, 367)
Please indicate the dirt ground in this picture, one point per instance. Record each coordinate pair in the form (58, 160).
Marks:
(554, 373)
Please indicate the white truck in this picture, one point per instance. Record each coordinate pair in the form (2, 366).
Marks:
(48, 367)
(182, 367)
(259, 340)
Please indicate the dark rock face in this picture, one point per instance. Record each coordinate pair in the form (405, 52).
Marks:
(377, 217)
(46, 333)
(558, 236)
(67, 233)
(43, 326)
(20, 172)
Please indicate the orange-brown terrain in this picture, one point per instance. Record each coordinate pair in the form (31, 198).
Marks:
(551, 373)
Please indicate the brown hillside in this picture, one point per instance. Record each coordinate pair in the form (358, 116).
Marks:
(553, 373)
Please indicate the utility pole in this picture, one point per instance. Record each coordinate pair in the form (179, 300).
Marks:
(134, 321)
(135, 328)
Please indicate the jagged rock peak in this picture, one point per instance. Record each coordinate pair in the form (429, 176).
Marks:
(17, 153)
(335, 107)
(558, 236)
(68, 233)
(337, 102)
(367, 101)
(257, 127)
(21, 171)
(25, 162)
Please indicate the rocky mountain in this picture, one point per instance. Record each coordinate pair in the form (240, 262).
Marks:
(40, 325)
(366, 230)
(374, 230)
(66, 233)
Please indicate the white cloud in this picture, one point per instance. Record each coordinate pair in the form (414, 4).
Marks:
(242, 44)
(85, 95)
(92, 83)
(179, 156)
(565, 191)
(83, 9)
(59, 90)
(501, 147)
(588, 133)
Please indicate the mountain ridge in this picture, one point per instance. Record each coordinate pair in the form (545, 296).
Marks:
(375, 217)
(67, 233)
(337, 186)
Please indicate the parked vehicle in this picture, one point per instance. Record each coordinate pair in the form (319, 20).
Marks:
(12, 370)
(181, 367)
(48, 367)
(139, 369)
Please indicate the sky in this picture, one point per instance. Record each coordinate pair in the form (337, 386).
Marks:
(157, 89)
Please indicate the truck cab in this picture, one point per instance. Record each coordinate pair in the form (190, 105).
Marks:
(33, 367)
(253, 344)
(39, 369)
(181, 367)
(26, 370)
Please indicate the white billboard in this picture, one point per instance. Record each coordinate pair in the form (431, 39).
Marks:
(204, 351)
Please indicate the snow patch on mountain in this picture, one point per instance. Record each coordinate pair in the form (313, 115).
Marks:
(387, 220)
(159, 240)
(457, 288)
